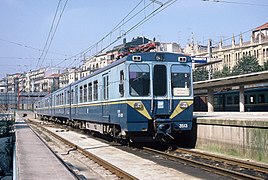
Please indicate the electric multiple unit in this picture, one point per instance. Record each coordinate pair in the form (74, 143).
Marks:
(141, 97)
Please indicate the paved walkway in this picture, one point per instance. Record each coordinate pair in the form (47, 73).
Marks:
(33, 159)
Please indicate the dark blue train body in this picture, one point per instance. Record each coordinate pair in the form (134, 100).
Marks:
(142, 97)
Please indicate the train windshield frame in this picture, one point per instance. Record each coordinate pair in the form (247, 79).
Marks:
(139, 79)
(181, 80)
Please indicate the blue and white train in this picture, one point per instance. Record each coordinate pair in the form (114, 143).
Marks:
(141, 97)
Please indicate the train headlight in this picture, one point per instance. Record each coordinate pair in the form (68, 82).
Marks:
(138, 105)
(182, 59)
(136, 58)
(183, 105)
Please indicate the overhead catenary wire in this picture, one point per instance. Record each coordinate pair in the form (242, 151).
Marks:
(30, 47)
(161, 7)
(235, 2)
(51, 37)
(49, 34)
(119, 25)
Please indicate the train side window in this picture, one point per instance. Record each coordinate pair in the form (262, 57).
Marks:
(72, 96)
(261, 98)
(236, 100)
(76, 94)
(85, 93)
(95, 92)
(89, 92)
(106, 87)
(246, 99)
(252, 99)
(216, 101)
(121, 83)
(81, 94)
(229, 99)
(65, 97)
(180, 80)
(68, 97)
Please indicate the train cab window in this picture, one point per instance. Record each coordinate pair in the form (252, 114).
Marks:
(95, 88)
(160, 80)
(81, 94)
(139, 80)
(85, 93)
(89, 92)
(261, 98)
(180, 80)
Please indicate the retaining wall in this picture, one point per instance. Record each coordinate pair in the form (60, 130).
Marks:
(241, 138)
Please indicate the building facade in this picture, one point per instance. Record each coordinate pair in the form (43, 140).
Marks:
(230, 54)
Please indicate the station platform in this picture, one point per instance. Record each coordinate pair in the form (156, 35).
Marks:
(33, 158)
(241, 134)
(232, 115)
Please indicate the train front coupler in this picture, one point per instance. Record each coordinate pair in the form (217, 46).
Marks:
(162, 128)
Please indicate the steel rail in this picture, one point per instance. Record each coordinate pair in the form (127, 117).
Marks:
(236, 162)
(205, 166)
(115, 170)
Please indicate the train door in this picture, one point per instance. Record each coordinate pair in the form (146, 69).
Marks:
(69, 102)
(160, 90)
(75, 100)
(105, 97)
(64, 102)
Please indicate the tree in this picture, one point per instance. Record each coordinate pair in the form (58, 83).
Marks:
(200, 74)
(247, 64)
(223, 73)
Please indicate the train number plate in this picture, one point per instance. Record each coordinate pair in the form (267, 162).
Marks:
(183, 126)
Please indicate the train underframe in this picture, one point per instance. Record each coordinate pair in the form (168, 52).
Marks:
(158, 131)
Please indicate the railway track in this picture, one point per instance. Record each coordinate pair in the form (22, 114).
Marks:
(215, 164)
(113, 169)
(224, 166)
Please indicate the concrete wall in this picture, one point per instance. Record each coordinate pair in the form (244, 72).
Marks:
(241, 138)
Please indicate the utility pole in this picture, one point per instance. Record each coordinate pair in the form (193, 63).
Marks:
(209, 58)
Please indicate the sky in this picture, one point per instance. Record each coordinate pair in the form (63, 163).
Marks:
(25, 25)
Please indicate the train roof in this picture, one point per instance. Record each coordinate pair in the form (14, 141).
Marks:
(147, 56)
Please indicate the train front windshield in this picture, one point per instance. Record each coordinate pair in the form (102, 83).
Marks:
(139, 80)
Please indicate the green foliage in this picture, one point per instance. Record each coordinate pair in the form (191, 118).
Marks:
(200, 74)
(247, 64)
(223, 73)
(265, 66)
